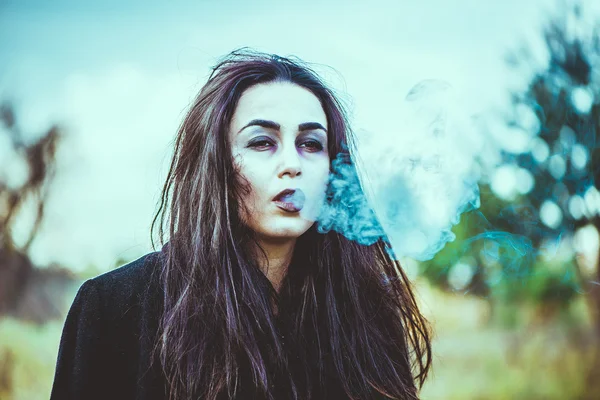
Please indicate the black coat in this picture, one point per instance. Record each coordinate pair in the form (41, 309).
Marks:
(108, 336)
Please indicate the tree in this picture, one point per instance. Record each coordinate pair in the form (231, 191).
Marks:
(564, 157)
(560, 111)
(21, 284)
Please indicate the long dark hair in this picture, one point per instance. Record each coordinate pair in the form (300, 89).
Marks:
(339, 324)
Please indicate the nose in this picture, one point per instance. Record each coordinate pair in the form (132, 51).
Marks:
(290, 162)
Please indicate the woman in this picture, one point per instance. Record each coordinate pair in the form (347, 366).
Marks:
(247, 299)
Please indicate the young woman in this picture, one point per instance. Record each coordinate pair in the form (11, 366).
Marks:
(247, 299)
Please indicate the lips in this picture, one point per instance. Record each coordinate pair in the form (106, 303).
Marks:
(284, 193)
(290, 200)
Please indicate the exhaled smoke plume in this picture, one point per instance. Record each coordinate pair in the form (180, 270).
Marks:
(413, 182)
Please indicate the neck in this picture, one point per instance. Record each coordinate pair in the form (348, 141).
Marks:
(279, 255)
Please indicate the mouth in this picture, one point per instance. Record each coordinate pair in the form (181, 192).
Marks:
(290, 200)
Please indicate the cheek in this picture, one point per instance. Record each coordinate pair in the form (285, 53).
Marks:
(245, 176)
(251, 192)
(253, 183)
(322, 175)
(245, 192)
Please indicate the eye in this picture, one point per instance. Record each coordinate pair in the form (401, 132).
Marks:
(313, 144)
(260, 143)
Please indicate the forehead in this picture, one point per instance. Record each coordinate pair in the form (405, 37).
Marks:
(278, 100)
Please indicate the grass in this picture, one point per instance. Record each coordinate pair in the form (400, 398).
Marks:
(32, 351)
(472, 359)
(475, 360)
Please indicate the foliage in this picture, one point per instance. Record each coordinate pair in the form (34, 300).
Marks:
(508, 239)
(29, 354)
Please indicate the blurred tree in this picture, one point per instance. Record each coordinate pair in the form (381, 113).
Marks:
(555, 179)
(25, 290)
(564, 156)
(489, 259)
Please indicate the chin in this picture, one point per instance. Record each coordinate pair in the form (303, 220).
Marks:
(290, 230)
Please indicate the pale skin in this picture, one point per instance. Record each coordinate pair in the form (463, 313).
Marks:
(278, 139)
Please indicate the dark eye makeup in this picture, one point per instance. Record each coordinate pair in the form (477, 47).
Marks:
(262, 142)
(314, 144)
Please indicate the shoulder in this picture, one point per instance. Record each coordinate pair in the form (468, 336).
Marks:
(108, 332)
(130, 275)
(118, 291)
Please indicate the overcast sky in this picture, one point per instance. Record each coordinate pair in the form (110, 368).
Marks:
(119, 78)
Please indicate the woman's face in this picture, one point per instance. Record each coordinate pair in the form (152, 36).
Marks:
(278, 140)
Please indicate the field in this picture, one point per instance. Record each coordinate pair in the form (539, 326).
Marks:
(541, 358)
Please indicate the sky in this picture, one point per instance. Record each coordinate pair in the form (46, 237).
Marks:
(119, 78)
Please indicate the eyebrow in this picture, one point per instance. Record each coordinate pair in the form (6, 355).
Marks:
(305, 126)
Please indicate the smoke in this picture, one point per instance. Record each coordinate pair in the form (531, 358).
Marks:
(412, 183)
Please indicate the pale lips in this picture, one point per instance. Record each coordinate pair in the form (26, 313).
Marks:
(292, 202)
